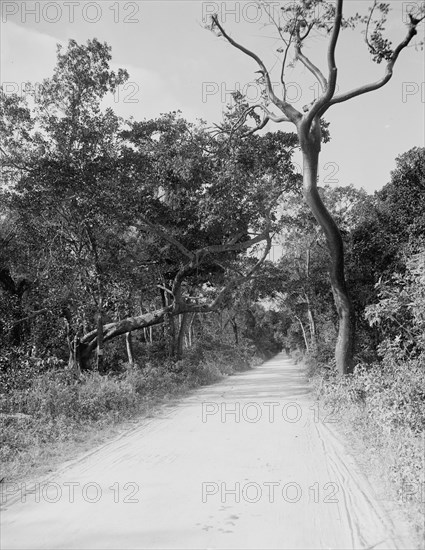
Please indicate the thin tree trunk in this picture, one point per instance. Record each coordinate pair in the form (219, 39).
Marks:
(311, 321)
(190, 329)
(304, 334)
(73, 362)
(311, 324)
(170, 326)
(99, 358)
(310, 146)
(129, 348)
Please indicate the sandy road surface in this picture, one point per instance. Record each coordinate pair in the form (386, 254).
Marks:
(246, 463)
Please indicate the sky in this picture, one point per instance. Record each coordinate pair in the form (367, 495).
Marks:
(175, 63)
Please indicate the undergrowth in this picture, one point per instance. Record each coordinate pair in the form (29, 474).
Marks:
(382, 405)
(39, 414)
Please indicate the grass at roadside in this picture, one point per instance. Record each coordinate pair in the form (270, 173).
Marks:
(381, 409)
(55, 418)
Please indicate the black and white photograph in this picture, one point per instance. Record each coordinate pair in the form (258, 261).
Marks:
(212, 275)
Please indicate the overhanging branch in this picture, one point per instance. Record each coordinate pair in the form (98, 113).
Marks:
(180, 305)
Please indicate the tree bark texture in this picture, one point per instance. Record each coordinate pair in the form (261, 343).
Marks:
(310, 146)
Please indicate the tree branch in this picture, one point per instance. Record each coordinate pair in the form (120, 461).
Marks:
(202, 253)
(306, 61)
(228, 247)
(234, 283)
(372, 9)
(168, 237)
(312, 68)
(31, 316)
(268, 116)
(388, 72)
(13, 163)
(287, 46)
(320, 106)
(111, 330)
(290, 112)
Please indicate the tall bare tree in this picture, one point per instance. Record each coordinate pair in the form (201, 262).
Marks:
(294, 25)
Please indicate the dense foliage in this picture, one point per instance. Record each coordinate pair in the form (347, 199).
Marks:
(110, 226)
(137, 250)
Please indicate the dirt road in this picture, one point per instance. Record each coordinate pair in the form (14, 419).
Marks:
(246, 463)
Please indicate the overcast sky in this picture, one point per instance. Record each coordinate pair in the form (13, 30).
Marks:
(175, 63)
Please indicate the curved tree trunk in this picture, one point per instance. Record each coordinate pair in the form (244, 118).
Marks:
(310, 146)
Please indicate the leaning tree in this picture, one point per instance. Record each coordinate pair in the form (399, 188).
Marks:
(295, 24)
